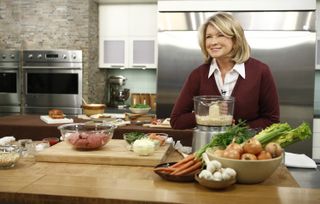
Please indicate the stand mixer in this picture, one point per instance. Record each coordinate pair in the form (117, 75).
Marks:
(214, 114)
(118, 96)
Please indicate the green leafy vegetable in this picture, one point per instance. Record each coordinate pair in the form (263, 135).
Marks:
(302, 132)
(140, 105)
(240, 133)
(272, 132)
(283, 134)
(130, 137)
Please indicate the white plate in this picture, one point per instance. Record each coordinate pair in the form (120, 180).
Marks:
(107, 115)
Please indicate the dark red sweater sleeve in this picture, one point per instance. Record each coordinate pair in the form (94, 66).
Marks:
(182, 115)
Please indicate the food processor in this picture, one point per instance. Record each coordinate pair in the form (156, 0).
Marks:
(214, 114)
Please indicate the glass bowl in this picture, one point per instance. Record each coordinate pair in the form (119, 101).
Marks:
(87, 136)
(9, 155)
(160, 137)
(130, 137)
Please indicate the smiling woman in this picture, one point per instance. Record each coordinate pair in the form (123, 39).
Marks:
(228, 71)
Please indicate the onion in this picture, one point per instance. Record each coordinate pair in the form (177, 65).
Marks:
(235, 146)
(231, 154)
(252, 146)
(274, 149)
(248, 156)
(264, 155)
(218, 153)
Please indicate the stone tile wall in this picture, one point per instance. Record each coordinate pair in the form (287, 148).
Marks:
(56, 24)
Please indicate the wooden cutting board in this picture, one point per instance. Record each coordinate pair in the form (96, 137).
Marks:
(115, 153)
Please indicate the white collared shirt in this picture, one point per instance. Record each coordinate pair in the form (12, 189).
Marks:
(230, 79)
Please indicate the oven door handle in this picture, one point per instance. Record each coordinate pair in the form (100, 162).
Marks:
(8, 67)
(50, 67)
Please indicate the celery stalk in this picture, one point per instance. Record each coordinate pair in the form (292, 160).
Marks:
(302, 132)
(272, 132)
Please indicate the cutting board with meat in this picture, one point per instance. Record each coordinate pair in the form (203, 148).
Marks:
(114, 153)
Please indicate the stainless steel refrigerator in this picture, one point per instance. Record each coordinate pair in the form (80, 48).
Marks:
(285, 40)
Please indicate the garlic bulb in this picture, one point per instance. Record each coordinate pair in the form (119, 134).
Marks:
(217, 176)
(205, 174)
(214, 170)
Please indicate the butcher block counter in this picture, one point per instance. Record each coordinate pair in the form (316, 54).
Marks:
(30, 126)
(44, 182)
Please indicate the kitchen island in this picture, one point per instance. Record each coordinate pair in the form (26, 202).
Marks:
(44, 182)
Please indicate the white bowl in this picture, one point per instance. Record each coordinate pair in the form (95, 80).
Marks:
(249, 171)
(139, 110)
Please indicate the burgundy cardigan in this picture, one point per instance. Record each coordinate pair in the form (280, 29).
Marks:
(256, 97)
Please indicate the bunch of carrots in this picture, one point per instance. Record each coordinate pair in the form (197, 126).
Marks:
(187, 166)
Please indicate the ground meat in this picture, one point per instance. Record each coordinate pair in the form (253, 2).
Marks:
(85, 140)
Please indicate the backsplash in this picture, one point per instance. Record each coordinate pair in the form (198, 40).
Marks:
(138, 80)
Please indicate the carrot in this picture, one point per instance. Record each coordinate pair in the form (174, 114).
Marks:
(196, 165)
(184, 160)
(194, 172)
(165, 169)
(183, 166)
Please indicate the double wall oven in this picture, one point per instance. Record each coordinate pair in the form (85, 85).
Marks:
(10, 90)
(52, 79)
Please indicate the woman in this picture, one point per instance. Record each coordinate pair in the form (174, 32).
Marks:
(228, 70)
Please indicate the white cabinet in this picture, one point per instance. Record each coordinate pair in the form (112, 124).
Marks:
(127, 36)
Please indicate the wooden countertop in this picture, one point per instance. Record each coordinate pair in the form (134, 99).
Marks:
(42, 182)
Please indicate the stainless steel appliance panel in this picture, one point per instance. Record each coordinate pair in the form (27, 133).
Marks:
(52, 79)
(288, 50)
(10, 92)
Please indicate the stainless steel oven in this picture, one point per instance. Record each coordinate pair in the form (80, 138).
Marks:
(10, 94)
(52, 79)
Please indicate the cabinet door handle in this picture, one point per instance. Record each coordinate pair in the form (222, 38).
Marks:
(117, 66)
(139, 66)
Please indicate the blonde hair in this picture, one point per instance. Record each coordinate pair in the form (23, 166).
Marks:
(231, 28)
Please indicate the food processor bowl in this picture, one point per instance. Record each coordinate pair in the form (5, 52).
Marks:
(212, 110)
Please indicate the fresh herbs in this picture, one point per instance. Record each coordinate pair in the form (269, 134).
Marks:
(140, 105)
(239, 133)
(130, 137)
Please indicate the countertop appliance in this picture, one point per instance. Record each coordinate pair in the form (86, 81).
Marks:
(118, 95)
(284, 39)
(52, 79)
(214, 114)
(10, 91)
